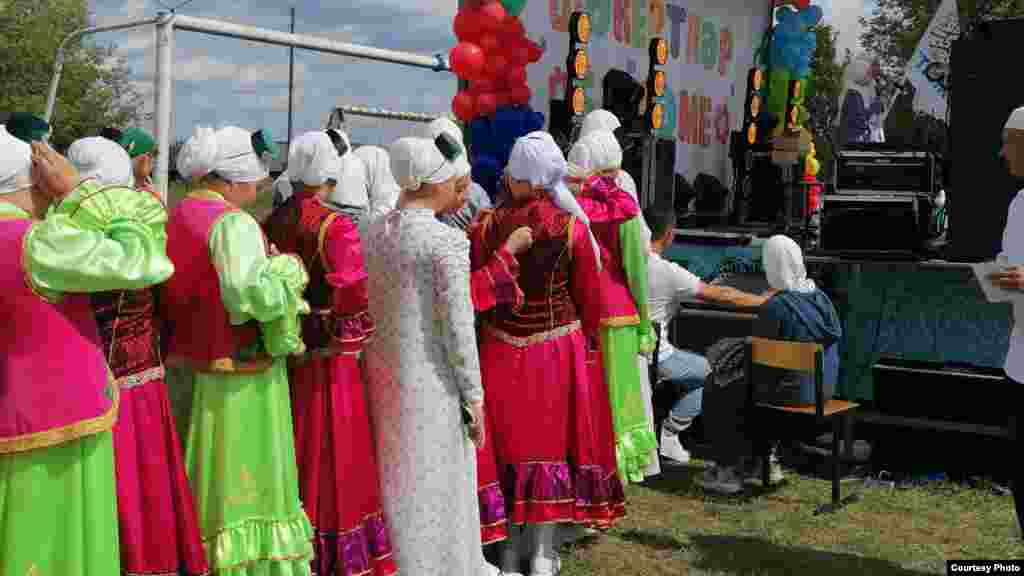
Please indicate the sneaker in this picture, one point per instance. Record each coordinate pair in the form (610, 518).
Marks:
(722, 480)
(672, 448)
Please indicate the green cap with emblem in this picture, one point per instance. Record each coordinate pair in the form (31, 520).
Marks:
(137, 142)
(27, 128)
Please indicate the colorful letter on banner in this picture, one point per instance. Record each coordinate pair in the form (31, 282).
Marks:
(676, 17)
(623, 18)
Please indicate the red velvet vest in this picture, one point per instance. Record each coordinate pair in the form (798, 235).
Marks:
(54, 382)
(130, 329)
(544, 271)
(299, 226)
(199, 326)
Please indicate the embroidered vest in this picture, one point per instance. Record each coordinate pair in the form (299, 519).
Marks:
(54, 382)
(199, 326)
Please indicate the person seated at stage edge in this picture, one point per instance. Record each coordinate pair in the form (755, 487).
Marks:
(668, 285)
(793, 309)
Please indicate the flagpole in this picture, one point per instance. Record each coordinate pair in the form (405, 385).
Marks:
(291, 80)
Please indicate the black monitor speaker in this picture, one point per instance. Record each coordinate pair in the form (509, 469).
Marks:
(633, 162)
(982, 100)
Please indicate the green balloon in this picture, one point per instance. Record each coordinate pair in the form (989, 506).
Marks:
(513, 7)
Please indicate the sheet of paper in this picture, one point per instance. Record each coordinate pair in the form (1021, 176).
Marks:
(992, 292)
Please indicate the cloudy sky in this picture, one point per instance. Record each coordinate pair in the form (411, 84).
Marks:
(228, 81)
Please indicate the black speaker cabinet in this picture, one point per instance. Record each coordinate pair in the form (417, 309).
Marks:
(985, 91)
(633, 162)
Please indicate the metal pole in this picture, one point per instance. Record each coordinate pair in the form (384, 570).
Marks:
(58, 64)
(291, 81)
(436, 62)
(164, 86)
(386, 114)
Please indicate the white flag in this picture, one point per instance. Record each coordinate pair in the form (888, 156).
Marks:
(928, 69)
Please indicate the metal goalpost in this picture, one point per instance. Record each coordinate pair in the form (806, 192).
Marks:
(167, 23)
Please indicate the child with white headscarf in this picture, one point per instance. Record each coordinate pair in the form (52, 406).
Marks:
(338, 481)
(794, 309)
(62, 239)
(423, 370)
(551, 421)
(155, 486)
(233, 308)
(625, 325)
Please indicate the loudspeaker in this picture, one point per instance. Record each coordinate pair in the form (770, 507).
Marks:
(982, 101)
(633, 162)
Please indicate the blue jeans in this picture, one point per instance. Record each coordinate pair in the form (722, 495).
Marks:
(686, 372)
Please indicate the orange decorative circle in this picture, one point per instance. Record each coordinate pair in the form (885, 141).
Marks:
(583, 28)
(752, 133)
(578, 101)
(758, 79)
(661, 52)
(796, 90)
(657, 116)
(659, 83)
(755, 106)
(579, 64)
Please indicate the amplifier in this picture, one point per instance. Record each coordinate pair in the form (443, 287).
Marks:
(887, 171)
(872, 221)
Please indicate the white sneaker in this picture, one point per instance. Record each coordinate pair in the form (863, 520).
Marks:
(672, 448)
(543, 566)
(752, 473)
(721, 480)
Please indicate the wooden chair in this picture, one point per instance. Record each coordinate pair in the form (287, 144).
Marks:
(807, 358)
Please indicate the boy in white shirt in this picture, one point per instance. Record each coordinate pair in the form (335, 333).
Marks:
(668, 285)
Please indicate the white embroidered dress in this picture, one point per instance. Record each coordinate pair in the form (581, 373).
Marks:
(421, 365)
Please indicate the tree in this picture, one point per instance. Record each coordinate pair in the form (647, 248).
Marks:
(95, 89)
(826, 80)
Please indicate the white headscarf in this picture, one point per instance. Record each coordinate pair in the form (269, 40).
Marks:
(104, 160)
(350, 193)
(381, 189)
(227, 151)
(536, 159)
(15, 163)
(599, 120)
(446, 126)
(417, 161)
(1016, 120)
(784, 265)
(313, 160)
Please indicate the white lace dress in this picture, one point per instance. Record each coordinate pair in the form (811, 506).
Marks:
(422, 364)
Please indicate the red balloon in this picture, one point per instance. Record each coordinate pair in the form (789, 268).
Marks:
(467, 25)
(534, 51)
(467, 60)
(489, 43)
(517, 76)
(499, 63)
(517, 52)
(504, 98)
(493, 16)
(486, 104)
(482, 85)
(514, 27)
(464, 106)
(521, 95)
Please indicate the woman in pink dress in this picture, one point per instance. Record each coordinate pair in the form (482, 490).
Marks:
(157, 517)
(551, 423)
(338, 481)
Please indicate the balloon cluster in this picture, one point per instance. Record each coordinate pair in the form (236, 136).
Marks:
(794, 41)
(493, 138)
(492, 55)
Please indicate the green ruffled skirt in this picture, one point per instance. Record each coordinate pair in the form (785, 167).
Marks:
(58, 510)
(634, 439)
(240, 457)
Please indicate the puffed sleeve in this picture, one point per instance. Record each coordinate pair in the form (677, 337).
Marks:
(97, 240)
(634, 263)
(257, 287)
(495, 273)
(455, 313)
(346, 274)
(605, 202)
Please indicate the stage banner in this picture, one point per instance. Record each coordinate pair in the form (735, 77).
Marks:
(712, 44)
(929, 65)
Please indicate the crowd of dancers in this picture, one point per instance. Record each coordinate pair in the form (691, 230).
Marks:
(381, 376)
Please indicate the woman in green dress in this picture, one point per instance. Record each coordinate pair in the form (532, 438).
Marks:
(232, 309)
(58, 509)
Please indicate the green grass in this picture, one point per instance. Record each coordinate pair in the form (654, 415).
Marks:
(673, 528)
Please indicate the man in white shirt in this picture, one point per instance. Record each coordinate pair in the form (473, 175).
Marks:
(668, 286)
(1012, 278)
